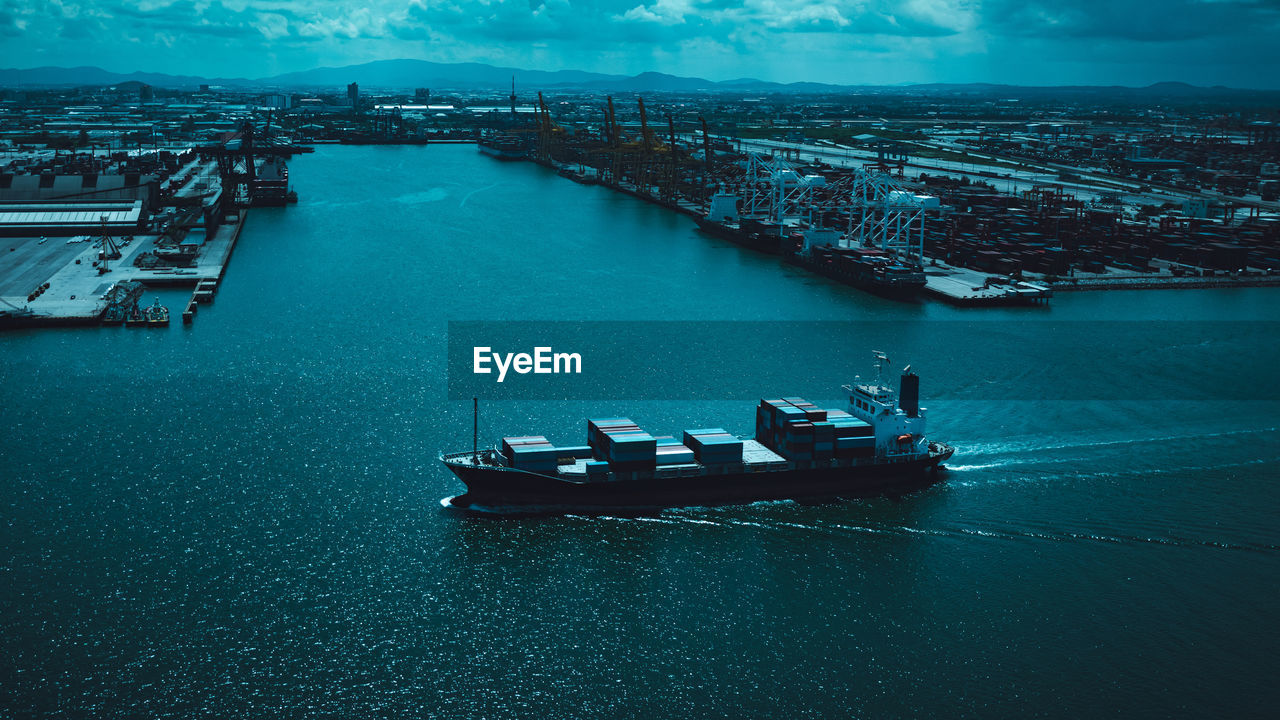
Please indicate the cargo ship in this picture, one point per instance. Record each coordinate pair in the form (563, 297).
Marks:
(723, 221)
(750, 233)
(867, 269)
(877, 446)
(270, 185)
(503, 146)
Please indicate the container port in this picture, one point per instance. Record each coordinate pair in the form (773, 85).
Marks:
(267, 474)
(82, 232)
(507, 359)
(1008, 225)
(972, 201)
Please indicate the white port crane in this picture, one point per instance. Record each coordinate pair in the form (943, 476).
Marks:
(882, 212)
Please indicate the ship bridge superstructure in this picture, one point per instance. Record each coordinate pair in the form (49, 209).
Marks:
(897, 417)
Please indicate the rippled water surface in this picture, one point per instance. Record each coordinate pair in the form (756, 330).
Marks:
(241, 518)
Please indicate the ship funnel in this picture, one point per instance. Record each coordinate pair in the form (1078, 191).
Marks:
(909, 393)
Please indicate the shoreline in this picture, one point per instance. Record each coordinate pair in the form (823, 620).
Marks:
(689, 208)
(1167, 283)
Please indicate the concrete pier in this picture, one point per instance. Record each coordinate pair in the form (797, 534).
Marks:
(76, 290)
(962, 286)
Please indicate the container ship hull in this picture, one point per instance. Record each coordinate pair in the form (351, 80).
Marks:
(500, 489)
(739, 236)
(503, 150)
(909, 288)
(270, 187)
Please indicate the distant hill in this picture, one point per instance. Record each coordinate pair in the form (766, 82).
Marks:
(408, 74)
(655, 81)
(78, 76)
(421, 73)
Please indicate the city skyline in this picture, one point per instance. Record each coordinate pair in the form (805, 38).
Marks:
(1133, 42)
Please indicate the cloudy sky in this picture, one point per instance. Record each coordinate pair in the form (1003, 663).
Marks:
(1130, 42)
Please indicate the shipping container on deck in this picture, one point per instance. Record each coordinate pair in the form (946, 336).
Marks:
(535, 457)
(569, 454)
(597, 426)
(798, 430)
(674, 455)
(852, 427)
(629, 450)
(508, 443)
(713, 446)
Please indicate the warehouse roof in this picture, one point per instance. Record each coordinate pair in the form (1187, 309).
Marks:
(88, 214)
(24, 188)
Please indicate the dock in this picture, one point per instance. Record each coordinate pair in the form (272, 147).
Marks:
(955, 285)
(971, 288)
(1165, 282)
(76, 289)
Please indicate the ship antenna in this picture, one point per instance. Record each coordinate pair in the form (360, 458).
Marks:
(475, 430)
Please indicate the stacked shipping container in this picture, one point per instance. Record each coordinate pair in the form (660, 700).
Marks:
(672, 452)
(622, 443)
(530, 452)
(619, 445)
(536, 454)
(799, 430)
(1051, 232)
(713, 446)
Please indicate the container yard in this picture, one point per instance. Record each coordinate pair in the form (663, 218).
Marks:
(902, 219)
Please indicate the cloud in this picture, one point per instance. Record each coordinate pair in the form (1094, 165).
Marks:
(13, 18)
(828, 40)
(909, 18)
(662, 12)
(605, 21)
(590, 23)
(1138, 20)
(270, 21)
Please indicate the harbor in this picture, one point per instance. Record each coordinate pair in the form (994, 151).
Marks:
(77, 288)
(983, 247)
(1001, 210)
(406, 388)
(955, 285)
(280, 457)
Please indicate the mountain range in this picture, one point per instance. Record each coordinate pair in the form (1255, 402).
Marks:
(408, 74)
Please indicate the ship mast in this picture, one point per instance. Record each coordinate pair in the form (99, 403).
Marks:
(882, 361)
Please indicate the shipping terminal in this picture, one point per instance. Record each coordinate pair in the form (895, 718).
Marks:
(877, 446)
